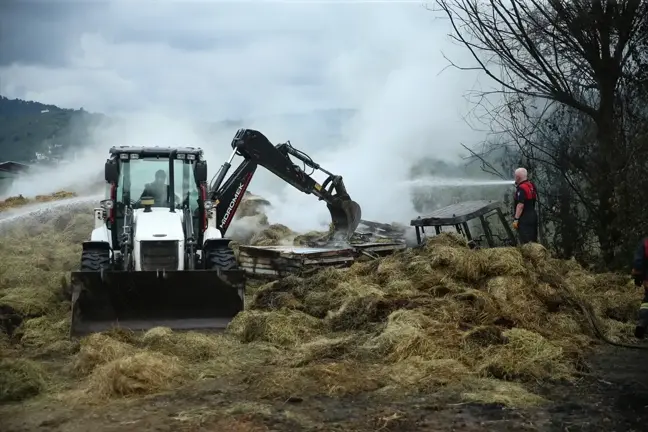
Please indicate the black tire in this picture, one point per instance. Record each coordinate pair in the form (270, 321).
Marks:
(94, 261)
(222, 258)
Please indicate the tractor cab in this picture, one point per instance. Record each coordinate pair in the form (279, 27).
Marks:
(154, 179)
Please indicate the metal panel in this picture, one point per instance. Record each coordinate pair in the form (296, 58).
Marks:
(457, 213)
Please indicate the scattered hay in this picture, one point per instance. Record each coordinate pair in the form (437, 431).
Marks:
(484, 336)
(32, 301)
(137, 374)
(191, 346)
(419, 374)
(502, 261)
(284, 327)
(451, 239)
(99, 349)
(47, 335)
(5, 344)
(311, 237)
(54, 196)
(252, 205)
(283, 293)
(364, 311)
(121, 334)
(442, 315)
(534, 253)
(328, 348)
(490, 391)
(449, 309)
(274, 235)
(461, 263)
(13, 202)
(408, 334)
(237, 359)
(330, 379)
(19, 201)
(20, 379)
(237, 419)
(526, 356)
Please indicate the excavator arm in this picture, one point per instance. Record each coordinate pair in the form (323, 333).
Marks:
(257, 150)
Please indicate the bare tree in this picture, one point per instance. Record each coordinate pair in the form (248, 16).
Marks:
(577, 54)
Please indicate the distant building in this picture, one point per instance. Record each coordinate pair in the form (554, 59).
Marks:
(8, 172)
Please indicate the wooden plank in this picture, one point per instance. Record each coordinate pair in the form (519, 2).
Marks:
(295, 252)
(273, 262)
(268, 274)
(264, 263)
(382, 227)
(332, 260)
(381, 247)
(269, 266)
(278, 260)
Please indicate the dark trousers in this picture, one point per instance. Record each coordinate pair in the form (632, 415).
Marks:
(642, 316)
(643, 308)
(528, 232)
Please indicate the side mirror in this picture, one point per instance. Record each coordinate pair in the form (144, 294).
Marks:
(200, 172)
(111, 172)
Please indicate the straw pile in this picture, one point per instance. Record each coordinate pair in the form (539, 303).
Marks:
(252, 205)
(19, 201)
(479, 323)
(274, 235)
(441, 315)
(249, 219)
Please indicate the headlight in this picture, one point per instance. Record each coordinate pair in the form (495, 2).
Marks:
(107, 204)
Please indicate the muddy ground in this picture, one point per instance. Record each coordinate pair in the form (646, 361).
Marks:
(612, 396)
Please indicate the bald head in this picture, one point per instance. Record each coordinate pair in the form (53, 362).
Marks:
(520, 175)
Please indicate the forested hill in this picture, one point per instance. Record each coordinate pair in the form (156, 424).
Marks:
(31, 130)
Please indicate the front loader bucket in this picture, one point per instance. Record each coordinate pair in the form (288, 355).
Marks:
(346, 218)
(181, 300)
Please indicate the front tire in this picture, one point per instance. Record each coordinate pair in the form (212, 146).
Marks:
(94, 261)
(221, 259)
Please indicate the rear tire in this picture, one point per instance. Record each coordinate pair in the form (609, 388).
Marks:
(222, 259)
(94, 261)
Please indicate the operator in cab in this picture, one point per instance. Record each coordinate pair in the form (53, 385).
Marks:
(525, 218)
(158, 189)
(640, 276)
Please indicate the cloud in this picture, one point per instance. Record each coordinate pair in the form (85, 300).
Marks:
(356, 85)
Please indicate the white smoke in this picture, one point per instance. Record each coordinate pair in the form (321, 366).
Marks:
(382, 61)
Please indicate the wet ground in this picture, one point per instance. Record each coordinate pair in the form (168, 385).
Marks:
(612, 397)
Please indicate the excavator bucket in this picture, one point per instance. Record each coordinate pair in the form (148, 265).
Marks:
(140, 300)
(345, 217)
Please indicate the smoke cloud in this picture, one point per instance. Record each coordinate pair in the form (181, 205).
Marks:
(358, 86)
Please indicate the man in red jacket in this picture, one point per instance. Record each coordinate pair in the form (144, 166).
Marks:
(525, 219)
(640, 275)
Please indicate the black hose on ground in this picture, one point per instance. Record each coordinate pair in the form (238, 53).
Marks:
(591, 317)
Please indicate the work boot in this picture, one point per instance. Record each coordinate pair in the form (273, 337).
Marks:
(642, 322)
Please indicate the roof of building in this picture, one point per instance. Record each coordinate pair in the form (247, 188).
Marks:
(13, 167)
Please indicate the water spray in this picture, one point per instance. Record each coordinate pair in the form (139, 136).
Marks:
(431, 182)
(39, 209)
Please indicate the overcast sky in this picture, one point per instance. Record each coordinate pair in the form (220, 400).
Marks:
(215, 60)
